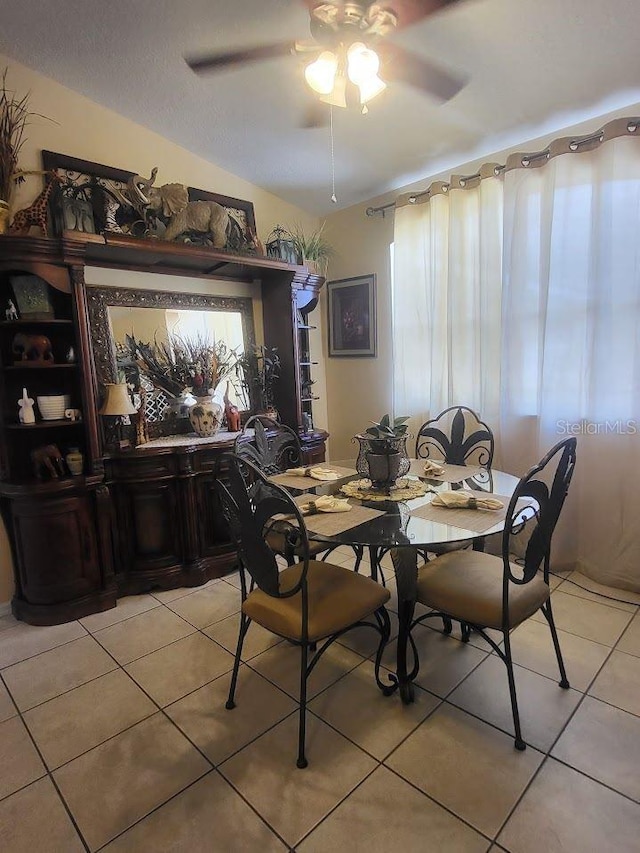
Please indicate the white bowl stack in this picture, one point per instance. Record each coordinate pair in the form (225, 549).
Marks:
(52, 406)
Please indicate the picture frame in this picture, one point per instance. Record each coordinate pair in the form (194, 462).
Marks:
(351, 307)
(32, 297)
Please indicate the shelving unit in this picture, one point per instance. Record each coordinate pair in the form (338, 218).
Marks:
(151, 513)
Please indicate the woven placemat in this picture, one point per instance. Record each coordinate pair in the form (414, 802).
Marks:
(451, 473)
(404, 490)
(301, 484)
(478, 520)
(334, 523)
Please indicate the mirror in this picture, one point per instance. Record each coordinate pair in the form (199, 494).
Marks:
(153, 317)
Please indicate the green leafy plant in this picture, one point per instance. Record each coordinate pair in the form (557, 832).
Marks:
(312, 247)
(257, 371)
(384, 435)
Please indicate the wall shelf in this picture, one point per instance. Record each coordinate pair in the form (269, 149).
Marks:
(30, 366)
(63, 422)
(21, 322)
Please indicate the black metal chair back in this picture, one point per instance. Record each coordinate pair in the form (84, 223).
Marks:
(249, 504)
(458, 437)
(270, 445)
(534, 509)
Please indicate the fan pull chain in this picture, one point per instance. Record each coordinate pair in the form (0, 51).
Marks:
(333, 161)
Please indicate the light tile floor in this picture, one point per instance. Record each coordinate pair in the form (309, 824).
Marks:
(114, 736)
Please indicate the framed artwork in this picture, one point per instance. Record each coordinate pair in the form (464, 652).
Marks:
(352, 316)
(32, 297)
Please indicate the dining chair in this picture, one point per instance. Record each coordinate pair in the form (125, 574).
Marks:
(309, 603)
(482, 591)
(457, 436)
(270, 445)
(274, 447)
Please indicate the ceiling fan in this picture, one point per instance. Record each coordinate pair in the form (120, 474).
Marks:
(347, 50)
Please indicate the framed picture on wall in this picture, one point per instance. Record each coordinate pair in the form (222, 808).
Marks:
(352, 316)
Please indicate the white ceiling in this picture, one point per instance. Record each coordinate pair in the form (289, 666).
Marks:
(534, 66)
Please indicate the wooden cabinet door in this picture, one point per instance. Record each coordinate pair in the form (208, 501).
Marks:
(57, 557)
(148, 525)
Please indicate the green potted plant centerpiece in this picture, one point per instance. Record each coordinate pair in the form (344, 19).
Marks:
(383, 452)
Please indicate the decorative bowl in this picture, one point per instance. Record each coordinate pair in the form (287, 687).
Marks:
(52, 406)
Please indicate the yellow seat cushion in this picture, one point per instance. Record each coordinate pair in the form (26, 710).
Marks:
(337, 598)
(468, 586)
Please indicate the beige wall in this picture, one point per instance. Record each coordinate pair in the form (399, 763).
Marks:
(81, 128)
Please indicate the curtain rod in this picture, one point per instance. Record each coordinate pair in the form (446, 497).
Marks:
(567, 144)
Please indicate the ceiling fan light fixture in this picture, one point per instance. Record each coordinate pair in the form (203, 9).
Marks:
(362, 63)
(321, 74)
(370, 88)
(337, 97)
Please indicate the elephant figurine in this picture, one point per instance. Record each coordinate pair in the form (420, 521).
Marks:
(47, 459)
(33, 348)
(205, 217)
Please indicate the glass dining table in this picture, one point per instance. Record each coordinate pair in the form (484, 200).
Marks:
(406, 528)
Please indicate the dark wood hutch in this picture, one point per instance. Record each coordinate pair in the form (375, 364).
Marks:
(143, 518)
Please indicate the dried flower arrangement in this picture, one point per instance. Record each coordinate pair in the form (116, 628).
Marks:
(196, 364)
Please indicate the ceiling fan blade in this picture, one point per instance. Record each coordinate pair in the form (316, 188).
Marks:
(217, 61)
(399, 64)
(411, 11)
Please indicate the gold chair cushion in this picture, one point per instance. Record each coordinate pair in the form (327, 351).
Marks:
(467, 585)
(337, 597)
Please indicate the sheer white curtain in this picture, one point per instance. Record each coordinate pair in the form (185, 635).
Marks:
(571, 347)
(447, 283)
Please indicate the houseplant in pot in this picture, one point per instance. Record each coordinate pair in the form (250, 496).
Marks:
(313, 249)
(383, 451)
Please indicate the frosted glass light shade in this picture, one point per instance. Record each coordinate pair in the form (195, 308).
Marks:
(117, 401)
(370, 88)
(321, 74)
(362, 63)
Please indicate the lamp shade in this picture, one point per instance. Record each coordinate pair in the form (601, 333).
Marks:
(117, 401)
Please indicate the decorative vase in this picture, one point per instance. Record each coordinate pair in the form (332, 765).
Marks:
(206, 415)
(383, 469)
(75, 461)
(4, 217)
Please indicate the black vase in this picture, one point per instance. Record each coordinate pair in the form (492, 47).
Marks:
(384, 469)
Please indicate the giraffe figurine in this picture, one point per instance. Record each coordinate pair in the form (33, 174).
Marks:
(36, 213)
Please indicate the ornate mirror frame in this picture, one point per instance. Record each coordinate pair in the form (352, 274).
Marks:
(99, 299)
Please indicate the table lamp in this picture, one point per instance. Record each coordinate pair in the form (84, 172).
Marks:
(117, 403)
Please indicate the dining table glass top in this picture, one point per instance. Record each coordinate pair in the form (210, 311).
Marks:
(397, 525)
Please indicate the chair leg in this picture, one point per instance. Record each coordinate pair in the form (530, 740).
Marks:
(465, 631)
(302, 760)
(244, 627)
(447, 625)
(519, 743)
(548, 615)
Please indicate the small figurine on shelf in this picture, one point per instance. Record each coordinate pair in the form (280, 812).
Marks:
(26, 415)
(231, 413)
(12, 312)
(70, 356)
(75, 461)
(47, 459)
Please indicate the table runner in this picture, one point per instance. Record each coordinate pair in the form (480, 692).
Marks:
(301, 484)
(452, 473)
(478, 520)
